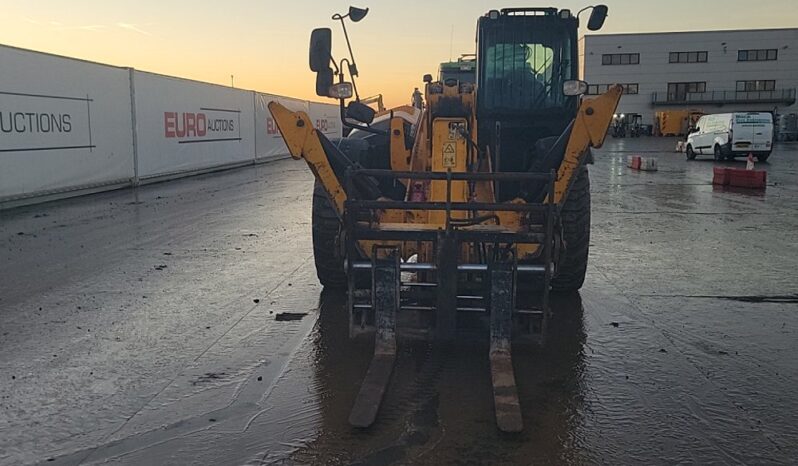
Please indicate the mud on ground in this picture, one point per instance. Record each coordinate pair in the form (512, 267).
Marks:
(183, 323)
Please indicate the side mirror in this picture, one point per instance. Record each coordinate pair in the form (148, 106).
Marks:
(320, 49)
(356, 14)
(597, 17)
(696, 129)
(574, 87)
(360, 112)
(427, 78)
(324, 81)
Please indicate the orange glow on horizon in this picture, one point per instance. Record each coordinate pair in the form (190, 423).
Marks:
(264, 46)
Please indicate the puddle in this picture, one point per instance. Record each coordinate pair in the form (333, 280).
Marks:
(762, 299)
(289, 316)
(209, 377)
(753, 299)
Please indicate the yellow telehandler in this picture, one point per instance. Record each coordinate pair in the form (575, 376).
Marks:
(470, 210)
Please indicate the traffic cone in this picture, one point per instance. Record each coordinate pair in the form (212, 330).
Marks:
(750, 164)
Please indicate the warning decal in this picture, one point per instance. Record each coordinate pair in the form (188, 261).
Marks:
(449, 155)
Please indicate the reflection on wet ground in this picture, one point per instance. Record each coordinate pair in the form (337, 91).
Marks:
(438, 409)
(182, 323)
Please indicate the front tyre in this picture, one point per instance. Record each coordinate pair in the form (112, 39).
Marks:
(575, 217)
(690, 152)
(718, 153)
(326, 228)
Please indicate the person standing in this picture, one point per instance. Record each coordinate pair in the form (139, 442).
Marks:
(417, 99)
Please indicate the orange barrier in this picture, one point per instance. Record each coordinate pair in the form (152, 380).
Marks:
(739, 178)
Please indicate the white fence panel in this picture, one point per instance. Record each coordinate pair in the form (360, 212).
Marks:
(64, 124)
(326, 118)
(70, 126)
(184, 125)
(269, 143)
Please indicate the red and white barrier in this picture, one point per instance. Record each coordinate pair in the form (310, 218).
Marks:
(739, 178)
(646, 164)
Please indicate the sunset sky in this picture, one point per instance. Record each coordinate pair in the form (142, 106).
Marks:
(264, 43)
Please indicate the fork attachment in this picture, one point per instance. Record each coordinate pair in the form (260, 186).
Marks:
(385, 298)
(505, 394)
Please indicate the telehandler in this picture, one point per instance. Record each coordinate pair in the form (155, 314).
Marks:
(471, 210)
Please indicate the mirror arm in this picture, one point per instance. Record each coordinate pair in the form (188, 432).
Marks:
(341, 77)
(352, 65)
(578, 24)
(335, 65)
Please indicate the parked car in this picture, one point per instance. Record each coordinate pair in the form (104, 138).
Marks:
(730, 135)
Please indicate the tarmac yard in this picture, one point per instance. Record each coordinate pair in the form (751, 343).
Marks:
(183, 323)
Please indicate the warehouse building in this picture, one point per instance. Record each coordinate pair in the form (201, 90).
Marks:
(702, 72)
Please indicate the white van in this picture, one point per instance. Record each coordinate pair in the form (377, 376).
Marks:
(730, 135)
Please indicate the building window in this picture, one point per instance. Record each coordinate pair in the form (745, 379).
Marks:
(677, 92)
(597, 89)
(620, 59)
(758, 55)
(630, 88)
(687, 57)
(756, 85)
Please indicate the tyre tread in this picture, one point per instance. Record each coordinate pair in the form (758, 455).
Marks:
(325, 229)
(576, 236)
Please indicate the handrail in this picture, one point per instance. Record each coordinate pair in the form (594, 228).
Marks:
(776, 95)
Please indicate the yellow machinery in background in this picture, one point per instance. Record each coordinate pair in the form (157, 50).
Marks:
(468, 213)
(676, 122)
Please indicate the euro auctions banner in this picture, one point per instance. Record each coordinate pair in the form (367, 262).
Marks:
(64, 124)
(38, 122)
(68, 124)
(325, 117)
(269, 142)
(186, 125)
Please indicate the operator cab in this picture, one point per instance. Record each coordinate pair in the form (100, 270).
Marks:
(525, 55)
(527, 83)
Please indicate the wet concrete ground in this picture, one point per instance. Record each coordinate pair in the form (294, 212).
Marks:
(151, 327)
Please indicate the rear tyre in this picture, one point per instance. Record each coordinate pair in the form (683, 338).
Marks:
(690, 152)
(718, 154)
(326, 228)
(762, 157)
(576, 236)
